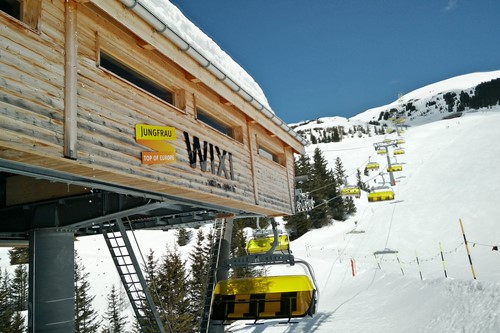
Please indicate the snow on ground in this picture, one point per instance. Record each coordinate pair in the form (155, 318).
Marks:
(450, 172)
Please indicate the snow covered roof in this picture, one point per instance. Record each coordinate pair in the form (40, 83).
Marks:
(169, 21)
(190, 33)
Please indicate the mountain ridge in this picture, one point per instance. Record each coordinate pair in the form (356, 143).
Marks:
(433, 102)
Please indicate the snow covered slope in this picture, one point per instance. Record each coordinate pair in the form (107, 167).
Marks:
(428, 101)
(450, 173)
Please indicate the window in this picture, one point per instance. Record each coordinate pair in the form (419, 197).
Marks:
(266, 153)
(26, 11)
(214, 123)
(11, 7)
(115, 66)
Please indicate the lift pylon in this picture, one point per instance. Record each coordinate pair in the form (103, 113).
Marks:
(385, 146)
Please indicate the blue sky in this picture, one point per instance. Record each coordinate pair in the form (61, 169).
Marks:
(322, 58)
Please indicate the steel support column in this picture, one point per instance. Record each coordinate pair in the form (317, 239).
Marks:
(389, 164)
(51, 281)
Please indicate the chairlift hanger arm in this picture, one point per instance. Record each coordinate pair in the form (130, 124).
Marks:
(311, 274)
(392, 143)
(275, 233)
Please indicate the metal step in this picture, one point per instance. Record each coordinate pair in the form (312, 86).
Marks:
(132, 278)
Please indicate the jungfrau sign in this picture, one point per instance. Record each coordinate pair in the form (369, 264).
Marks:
(154, 137)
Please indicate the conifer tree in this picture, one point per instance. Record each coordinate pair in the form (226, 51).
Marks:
(17, 323)
(173, 293)
(11, 320)
(114, 318)
(86, 317)
(339, 169)
(335, 136)
(19, 288)
(6, 309)
(303, 166)
(344, 206)
(238, 247)
(182, 236)
(359, 181)
(136, 328)
(19, 255)
(151, 269)
(300, 223)
(200, 261)
(324, 186)
(350, 207)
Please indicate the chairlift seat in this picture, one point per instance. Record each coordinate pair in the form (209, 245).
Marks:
(263, 244)
(270, 297)
(399, 152)
(372, 166)
(382, 194)
(350, 191)
(395, 168)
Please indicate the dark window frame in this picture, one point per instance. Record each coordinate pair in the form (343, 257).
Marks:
(23, 11)
(129, 74)
(12, 8)
(269, 154)
(216, 124)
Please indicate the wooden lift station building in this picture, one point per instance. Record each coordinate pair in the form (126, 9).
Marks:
(107, 112)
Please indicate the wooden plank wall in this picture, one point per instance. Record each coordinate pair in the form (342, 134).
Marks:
(31, 83)
(32, 109)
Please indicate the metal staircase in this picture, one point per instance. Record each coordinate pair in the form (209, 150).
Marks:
(214, 257)
(132, 278)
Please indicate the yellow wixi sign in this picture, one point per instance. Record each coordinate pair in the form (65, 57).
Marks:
(150, 132)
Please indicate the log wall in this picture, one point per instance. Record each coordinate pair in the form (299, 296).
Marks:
(32, 113)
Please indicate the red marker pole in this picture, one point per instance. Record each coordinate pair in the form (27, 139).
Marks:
(353, 269)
